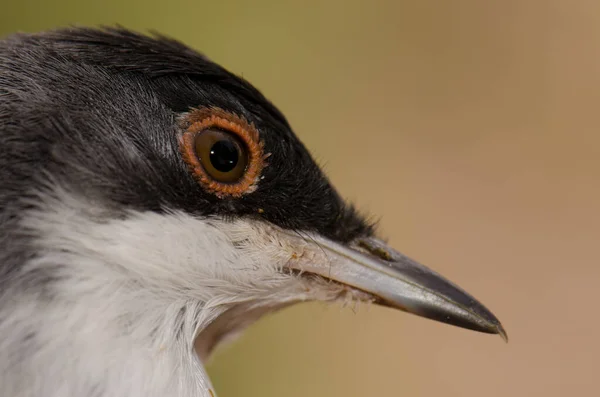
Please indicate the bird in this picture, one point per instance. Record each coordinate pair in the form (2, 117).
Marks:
(152, 206)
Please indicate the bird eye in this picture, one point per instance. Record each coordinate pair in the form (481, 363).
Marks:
(223, 151)
(223, 156)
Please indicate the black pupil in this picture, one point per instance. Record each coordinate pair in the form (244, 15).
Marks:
(224, 155)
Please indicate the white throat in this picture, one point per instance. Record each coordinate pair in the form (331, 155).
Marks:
(129, 296)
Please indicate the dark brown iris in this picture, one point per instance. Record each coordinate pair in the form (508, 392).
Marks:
(222, 155)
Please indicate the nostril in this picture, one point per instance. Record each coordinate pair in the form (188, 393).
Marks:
(374, 250)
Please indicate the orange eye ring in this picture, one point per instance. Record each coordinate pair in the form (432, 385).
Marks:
(201, 120)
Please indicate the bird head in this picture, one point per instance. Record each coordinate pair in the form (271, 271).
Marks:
(154, 204)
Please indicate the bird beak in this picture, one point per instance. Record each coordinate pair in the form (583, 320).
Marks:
(395, 280)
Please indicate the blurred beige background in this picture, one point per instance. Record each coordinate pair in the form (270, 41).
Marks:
(470, 128)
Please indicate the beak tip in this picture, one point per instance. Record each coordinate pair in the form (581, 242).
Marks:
(500, 331)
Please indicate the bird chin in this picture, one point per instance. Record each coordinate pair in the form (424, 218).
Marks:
(310, 287)
(231, 323)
